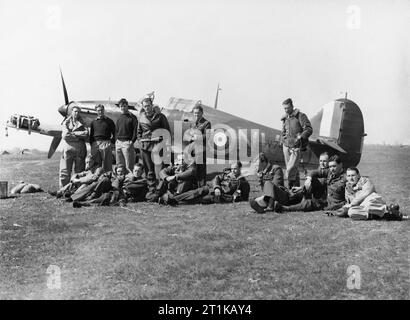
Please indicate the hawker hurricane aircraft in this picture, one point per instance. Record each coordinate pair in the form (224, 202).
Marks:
(338, 128)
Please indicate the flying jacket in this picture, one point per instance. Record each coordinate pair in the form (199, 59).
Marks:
(360, 191)
(74, 131)
(147, 125)
(185, 177)
(294, 125)
(229, 184)
(335, 187)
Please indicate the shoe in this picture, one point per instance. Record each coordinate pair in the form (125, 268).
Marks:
(277, 207)
(393, 213)
(52, 193)
(255, 206)
(76, 204)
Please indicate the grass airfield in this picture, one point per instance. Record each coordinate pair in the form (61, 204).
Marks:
(148, 251)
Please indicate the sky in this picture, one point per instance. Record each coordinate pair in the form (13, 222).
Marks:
(261, 52)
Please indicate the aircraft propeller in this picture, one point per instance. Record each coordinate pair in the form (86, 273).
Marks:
(56, 140)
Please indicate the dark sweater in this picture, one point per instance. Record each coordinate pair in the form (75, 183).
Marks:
(102, 129)
(126, 127)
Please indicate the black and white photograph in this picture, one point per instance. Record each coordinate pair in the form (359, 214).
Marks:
(186, 151)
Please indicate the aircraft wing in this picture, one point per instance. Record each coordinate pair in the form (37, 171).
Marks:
(32, 124)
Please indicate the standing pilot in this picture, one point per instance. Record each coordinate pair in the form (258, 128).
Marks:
(74, 151)
(149, 122)
(126, 135)
(198, 136)
(102, 136)
(296, 130)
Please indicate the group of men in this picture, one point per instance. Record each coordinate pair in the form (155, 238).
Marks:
(96, 182)
(328, 188)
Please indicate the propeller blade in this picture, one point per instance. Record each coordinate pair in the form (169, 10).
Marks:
(53, 146)
(64, 89)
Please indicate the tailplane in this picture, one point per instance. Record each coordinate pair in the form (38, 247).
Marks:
(339, 129)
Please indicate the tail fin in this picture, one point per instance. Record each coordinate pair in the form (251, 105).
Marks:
(339, 128)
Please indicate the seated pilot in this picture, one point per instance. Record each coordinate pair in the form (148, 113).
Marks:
(230, 186)
(362, 201)
(108, 190)
(135, 185)
(80, 180)
(274, 190)
(178, 179)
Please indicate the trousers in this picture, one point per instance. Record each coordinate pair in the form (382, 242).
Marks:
(101, 152)
(292, 158)
(125, 154)
(73, 153)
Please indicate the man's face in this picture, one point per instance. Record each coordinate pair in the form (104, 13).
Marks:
(120, 171)
(334, 166)
(262, 157)
(157, 109)
(148, 107)
(100, 112)
(352, 177)
(324, 162)
(197, 114)
(75, 113)
(137, 172)
(88, 163)
(124, 108)
(288, 108)
(236, 170)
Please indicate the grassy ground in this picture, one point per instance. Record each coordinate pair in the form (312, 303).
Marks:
(149, 251)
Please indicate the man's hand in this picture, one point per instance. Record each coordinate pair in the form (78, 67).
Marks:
(170, 178)
(296, 189)
(217, 192)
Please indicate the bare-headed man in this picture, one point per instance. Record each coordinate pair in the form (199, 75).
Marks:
(102, 137)
(296, 130)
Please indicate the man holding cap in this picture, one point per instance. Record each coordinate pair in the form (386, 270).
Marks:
(102, 135)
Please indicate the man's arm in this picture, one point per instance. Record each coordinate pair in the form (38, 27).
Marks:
(277, 175)
(217, 182)
(367, 189)
(306, 126)
(165, 123)
(81, 133)
(139, 131)
(135, 126)
(283, 128)
(112, 129)
(166, 172)
(65, 131)
(188, 174)
(92, 132)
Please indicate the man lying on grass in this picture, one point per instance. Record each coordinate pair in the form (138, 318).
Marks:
(362, 201)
